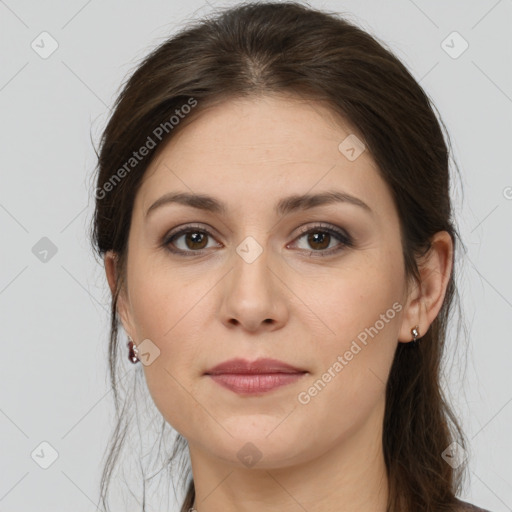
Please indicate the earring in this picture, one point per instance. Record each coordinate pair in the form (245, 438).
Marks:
(133, 354)
(415, 333)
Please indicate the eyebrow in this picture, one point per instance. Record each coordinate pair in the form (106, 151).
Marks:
(283, 207)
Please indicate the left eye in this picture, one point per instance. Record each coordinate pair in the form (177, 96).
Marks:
(319, 239)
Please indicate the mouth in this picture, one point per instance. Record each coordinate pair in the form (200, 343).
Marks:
(257, 377)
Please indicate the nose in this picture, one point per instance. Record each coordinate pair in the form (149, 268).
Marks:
(254, 296)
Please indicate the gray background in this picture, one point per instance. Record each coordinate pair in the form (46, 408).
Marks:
(54, 307)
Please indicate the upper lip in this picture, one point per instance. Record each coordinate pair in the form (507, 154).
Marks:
(260, 366)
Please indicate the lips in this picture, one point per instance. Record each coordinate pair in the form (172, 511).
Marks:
(254, 378)
(260, 366)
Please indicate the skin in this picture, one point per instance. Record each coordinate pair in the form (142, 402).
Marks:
(289, 304)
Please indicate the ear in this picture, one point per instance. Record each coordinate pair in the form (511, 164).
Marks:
(426, 298)
(123, 308)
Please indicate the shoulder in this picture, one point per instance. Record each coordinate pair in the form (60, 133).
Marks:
(464, 506)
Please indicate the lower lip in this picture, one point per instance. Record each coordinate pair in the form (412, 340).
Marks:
(249, 384)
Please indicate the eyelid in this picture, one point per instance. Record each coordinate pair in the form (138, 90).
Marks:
(323, 225)
(186, 227)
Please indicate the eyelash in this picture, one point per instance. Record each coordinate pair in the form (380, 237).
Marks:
(344, 239)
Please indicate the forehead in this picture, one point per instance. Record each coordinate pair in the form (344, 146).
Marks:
(275, 126)
(259, 147)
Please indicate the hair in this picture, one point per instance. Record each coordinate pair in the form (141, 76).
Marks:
(257, 49)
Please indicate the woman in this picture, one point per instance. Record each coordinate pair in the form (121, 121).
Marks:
(273, 211)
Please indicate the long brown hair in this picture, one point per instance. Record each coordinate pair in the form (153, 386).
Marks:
(287, 47)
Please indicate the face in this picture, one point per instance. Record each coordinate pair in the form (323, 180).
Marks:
(317, 285)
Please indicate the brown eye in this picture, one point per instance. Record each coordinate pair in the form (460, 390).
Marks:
(195, 240)
(187, 241)
(319, 240)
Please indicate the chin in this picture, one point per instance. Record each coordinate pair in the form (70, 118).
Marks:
(253, 447)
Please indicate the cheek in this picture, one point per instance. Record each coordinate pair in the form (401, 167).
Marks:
(360, 299)
(172, 321)
(159, 300)
(362, 310)
(168, 318)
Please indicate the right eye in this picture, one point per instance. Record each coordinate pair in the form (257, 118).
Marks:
(194, 240)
